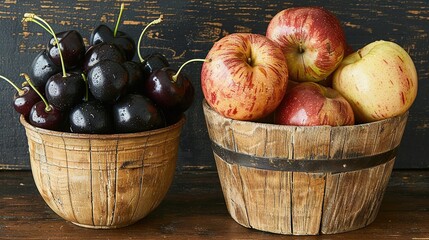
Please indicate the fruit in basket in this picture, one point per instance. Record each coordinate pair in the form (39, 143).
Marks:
(45, 116)
(102, 78)
(91, 117)
(136, 113)
(245, 76)
(24, 98)
(64, 92)
(379, 81)
(103, 33)
(167, 92)
(311, 104)
(170, 89)
(42, 114)
(100, 52)
(72, 49)
(107, 80)
(136, 76)
(312, 40)
(42, 68)
(152, 62)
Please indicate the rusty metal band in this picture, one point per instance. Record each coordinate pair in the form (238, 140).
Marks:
(303, 165)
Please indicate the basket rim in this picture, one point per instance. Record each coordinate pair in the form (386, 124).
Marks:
(171, 127)
(206, 106)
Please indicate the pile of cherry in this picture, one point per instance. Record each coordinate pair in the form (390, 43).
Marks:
(99, 88)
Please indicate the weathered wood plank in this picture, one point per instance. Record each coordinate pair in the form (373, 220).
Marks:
(330, 201)
(189, 30)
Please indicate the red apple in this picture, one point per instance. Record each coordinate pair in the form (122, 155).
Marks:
(311, 104)
(312, 39)
(245, 76)
(327, 82)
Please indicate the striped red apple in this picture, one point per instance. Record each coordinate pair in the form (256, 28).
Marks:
(311, 104)
(245, 76)
(312, 39)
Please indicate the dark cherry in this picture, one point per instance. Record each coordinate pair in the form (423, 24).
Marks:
(170, 94)
(24, 98)
(100, 52)
(42, 68)
(154, 61)
(23, 101)
(103, 33)
(65, 92)
(136, 113)
(126, 42)
(91, 117)
(72, 49)
(107, 80)
(42, 117)
(136, 76)
(42, 114)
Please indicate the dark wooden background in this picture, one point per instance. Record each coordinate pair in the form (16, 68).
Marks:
(188, 31)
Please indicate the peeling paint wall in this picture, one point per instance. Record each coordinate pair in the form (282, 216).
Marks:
(189, 29)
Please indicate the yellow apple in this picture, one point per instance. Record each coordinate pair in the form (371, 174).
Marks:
(379, 81)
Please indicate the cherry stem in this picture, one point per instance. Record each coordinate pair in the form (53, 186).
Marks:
(119, 19)
(174, 77)
(156, 21)
(40, 21)
(86, 87)
(19, 90)
(48, 108)
(40, 24)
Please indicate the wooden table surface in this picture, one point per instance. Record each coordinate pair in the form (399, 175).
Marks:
(194, 208)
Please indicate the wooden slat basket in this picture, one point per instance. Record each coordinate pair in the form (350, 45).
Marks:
(303, 180)
(103, 181)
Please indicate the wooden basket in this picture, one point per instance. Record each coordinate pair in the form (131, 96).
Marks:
(103, 181)
(303, 180)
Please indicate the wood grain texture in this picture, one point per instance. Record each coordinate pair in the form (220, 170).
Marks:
(303, 202)
(195, 209)
(189, 30)
(100, 181)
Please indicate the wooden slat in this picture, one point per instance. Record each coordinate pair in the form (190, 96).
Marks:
(313, 202)
(101, 181)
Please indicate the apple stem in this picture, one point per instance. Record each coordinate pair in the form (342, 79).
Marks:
(48, 108)
(19, 90)
(359, 53)
(31, 17)
(174, 77)
(119, 19)
(156, 21)
(86, 87)
(300, 48)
